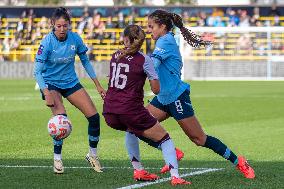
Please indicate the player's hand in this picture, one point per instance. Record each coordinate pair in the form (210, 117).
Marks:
(49, 100)
(102, 92)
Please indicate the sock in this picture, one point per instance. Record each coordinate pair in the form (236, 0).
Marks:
(94, 130)
(132, 146)
(220, 148)
(169, 154)
(57, 156)
(93, 151)
(57, 148)
(150, 142)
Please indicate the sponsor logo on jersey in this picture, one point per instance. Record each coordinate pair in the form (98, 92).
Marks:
(40, 49)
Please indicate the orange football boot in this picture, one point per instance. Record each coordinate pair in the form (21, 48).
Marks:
(178, 181)
(143, 175)
(245, 168)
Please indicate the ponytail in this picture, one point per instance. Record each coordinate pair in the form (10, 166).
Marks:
(170, 19)
(190, 37)
(136, 36)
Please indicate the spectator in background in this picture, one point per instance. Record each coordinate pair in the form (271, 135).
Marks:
(43, 24)
(121, 21)
(255, 17)
(275, 13)
(31, 13)
(109, 25)
(244, 45)
(6, 48)
(96, 19)
(24, 14)
(186, 18)
(215, 19)
(217, 12)
(28, 30)
(276, 46)
(37, 35)
(20, 26)
(201, 20)
(131, 19)
(99, 33)
(244, 19)
(82, 23)
(218, 22)
(90, 28)
(1, 50)
(234, 20)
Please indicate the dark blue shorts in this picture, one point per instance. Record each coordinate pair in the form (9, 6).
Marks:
(179, 109)
(64, 92)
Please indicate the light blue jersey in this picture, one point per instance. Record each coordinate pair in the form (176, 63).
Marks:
(55, 61)
(169, 69)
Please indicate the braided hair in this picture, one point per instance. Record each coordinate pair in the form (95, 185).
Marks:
(136, 36)
(170, 19)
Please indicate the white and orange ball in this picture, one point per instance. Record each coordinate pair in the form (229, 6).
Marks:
(59, 127)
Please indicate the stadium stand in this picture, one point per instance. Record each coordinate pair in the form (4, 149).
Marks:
(101, 29)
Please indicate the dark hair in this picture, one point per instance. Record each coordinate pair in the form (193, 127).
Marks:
(61, 12)
(136, 36)
(170, 19)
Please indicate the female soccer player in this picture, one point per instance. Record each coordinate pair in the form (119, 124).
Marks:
(173, 99)
(54, 71)
(124, 107)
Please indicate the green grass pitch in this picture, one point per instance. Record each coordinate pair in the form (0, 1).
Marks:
(248, 116)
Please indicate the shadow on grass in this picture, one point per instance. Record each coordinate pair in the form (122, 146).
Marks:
(117, 174)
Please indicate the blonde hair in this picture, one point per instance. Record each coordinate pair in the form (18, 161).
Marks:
(136, 36)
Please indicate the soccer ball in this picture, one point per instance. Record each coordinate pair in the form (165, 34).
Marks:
(59, 127)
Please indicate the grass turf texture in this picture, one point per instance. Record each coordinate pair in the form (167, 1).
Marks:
(247, 116)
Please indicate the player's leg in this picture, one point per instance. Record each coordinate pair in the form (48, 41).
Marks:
(160, 112)
(157, 109)
(193, 130)
(132, 146)
(83, 102)
(158, 135)
(142, 123)
(57, 109)
(183, 112)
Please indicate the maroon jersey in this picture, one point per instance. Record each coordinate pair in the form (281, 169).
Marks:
(125, 88)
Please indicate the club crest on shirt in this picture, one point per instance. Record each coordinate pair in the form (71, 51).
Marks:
(73, 47)
(40, 49)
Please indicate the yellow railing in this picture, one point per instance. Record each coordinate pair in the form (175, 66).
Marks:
(102, 49)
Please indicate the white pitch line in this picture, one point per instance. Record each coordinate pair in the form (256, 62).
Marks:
(167, 179)
(85, 167)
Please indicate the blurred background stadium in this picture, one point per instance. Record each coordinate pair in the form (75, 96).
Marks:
(248, 38)
(247, 34)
